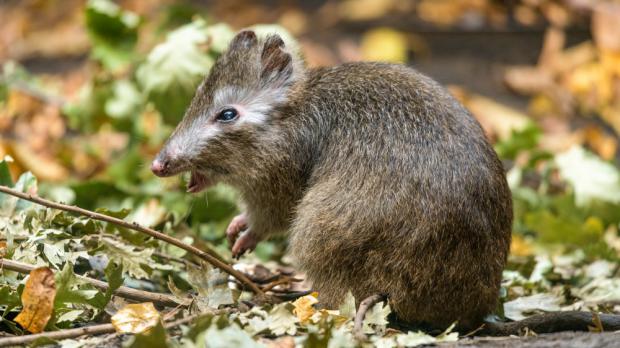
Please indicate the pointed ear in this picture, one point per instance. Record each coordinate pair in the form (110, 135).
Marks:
(277, 64)
(243, 40)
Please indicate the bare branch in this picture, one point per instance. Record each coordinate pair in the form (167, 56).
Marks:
(214, 260)
(123, 291)
(87, 330)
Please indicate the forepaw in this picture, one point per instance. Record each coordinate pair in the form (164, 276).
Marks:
(246, 242)
(238, 224)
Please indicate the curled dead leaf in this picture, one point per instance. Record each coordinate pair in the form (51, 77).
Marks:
(304, 309)
(136, 318)
(37, 300)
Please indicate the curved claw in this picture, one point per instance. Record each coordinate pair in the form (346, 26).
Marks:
(246, 242)
(238, 224)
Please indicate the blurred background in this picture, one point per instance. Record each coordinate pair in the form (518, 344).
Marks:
(90, 89)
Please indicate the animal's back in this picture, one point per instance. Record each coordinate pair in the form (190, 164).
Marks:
(405, 196)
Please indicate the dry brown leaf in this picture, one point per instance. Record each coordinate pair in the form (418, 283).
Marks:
(3, 249)
(304, 309)
(136, 318)
(45, 168)
(37, 300)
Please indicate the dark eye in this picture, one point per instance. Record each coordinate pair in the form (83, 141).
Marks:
(227, 115)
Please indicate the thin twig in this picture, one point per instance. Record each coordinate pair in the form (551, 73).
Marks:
(280, 281)
(214, 260)
(87, 330)
(122, 291)
(293, 295)
(369, 302)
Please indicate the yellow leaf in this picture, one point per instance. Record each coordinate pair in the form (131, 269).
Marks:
(384, 44)
(38, 300)
(136, 318)
(520, 246)
(303, 307)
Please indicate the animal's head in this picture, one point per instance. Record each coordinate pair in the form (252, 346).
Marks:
(232, 110)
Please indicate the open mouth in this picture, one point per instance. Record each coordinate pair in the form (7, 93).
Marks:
(197, 182)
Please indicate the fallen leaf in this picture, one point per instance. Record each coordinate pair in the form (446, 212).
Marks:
(519, 308)
(42, 166)
(282, 321)
(376, 318)
(601, 290)
(520, 246)
(211, 285)
(37, 300)
(348, 308)
(231, 336)
(304, 307)
(136, 318)
(590, 177)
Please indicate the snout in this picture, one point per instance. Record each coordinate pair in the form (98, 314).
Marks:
(169, 163)
(160, 167)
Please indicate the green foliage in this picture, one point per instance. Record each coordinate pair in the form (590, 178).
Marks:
(173, 69)
(525, 139)
(155, 337)
(113, 32)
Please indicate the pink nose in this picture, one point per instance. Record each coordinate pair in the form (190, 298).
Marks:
(158, 167)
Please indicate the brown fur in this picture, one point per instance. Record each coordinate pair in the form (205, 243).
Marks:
(385, 182)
